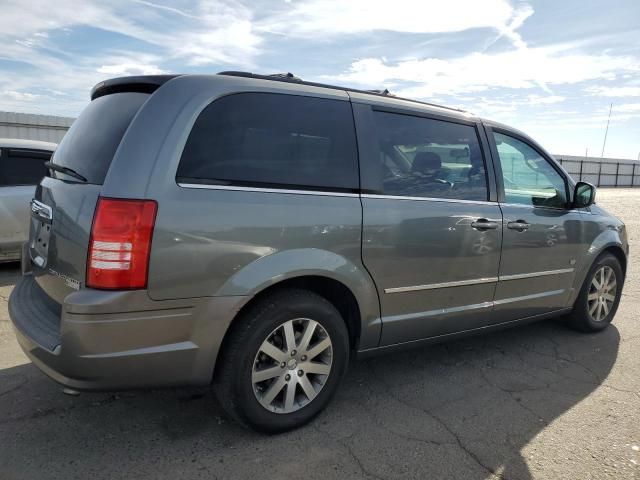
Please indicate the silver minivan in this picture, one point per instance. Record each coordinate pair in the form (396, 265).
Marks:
(256, 232)
(21, 169)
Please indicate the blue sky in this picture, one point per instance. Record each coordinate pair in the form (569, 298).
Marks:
(548, 67)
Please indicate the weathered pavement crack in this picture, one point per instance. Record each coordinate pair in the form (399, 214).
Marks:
(347, 447)
(14, 388)
(456, 437)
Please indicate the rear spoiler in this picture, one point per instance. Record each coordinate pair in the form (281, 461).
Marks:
(141, 84)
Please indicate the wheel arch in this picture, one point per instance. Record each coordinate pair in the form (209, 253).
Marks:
(334, 291)
(613, 247)
(618, 252)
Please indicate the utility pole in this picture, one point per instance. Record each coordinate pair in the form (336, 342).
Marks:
(606, 131)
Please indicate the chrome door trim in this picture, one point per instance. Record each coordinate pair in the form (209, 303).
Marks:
(267, 190)
(550, 293)
(477, 281)
(375, 196)
(439, 311)
(433, 286)
(519, 276)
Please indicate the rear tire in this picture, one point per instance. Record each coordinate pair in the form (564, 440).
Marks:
(282, 362)
(599, 297)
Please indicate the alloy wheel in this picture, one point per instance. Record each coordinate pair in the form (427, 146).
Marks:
(292, 365)
(602, 293)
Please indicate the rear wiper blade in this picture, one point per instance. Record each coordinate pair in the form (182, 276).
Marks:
(66, 170)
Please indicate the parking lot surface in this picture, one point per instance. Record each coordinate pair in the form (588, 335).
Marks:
(535, 402)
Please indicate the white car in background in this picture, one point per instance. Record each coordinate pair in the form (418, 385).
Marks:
(21, 169)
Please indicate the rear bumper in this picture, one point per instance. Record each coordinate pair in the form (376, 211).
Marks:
(121, 340)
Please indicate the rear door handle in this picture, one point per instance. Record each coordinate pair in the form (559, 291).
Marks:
(484, 224)
(519, 225)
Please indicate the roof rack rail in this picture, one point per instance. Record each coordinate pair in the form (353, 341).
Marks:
(291, 78)
(384, 92)
(287, 76)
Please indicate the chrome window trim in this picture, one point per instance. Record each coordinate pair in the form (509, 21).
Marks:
(430, 199)
(325, 193)
(555, 209)
(267, 190)
(478, 281)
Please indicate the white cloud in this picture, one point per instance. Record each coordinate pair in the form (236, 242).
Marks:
(508, 107)
(177, 11)
(320, 18)
(215, 31)
(130, 69)
(199, 32)
(21, 96)
(225, 33)
(541, 100)
(515, 69)
(614, 91)
(627, 107)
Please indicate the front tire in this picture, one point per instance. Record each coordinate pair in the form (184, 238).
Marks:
(599, 297)
(282, 361)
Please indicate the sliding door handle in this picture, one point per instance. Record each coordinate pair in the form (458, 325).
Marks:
(519, 225)
(484, 224)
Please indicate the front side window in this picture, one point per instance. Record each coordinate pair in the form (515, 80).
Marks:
(528, 177)
(423, 157)
(22, 167)
(273, 140)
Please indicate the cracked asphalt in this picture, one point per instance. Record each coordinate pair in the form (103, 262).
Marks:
(536, 402)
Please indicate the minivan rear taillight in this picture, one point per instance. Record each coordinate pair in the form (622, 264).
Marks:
(120, 243)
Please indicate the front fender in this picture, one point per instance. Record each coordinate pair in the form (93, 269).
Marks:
(288, 264)
(612, 235)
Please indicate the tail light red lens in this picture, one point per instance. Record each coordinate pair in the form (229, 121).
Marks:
(120, 243)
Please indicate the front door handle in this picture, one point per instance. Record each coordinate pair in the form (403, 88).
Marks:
(519, 225)
(484, 224)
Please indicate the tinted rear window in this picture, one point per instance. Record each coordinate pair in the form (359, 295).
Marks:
(22, 167)
(273, 140)
(91, 142)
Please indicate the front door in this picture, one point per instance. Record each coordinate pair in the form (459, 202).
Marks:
(541, 234)
(431, 237)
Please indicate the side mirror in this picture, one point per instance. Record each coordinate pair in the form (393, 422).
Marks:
(584, 195)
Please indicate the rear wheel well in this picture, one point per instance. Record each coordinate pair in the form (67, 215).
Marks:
(334, 291)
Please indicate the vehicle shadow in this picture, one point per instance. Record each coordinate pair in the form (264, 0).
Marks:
(464, 409)
(9, 273)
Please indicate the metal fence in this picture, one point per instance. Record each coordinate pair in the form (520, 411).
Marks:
(607, 173)
(29, 126)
